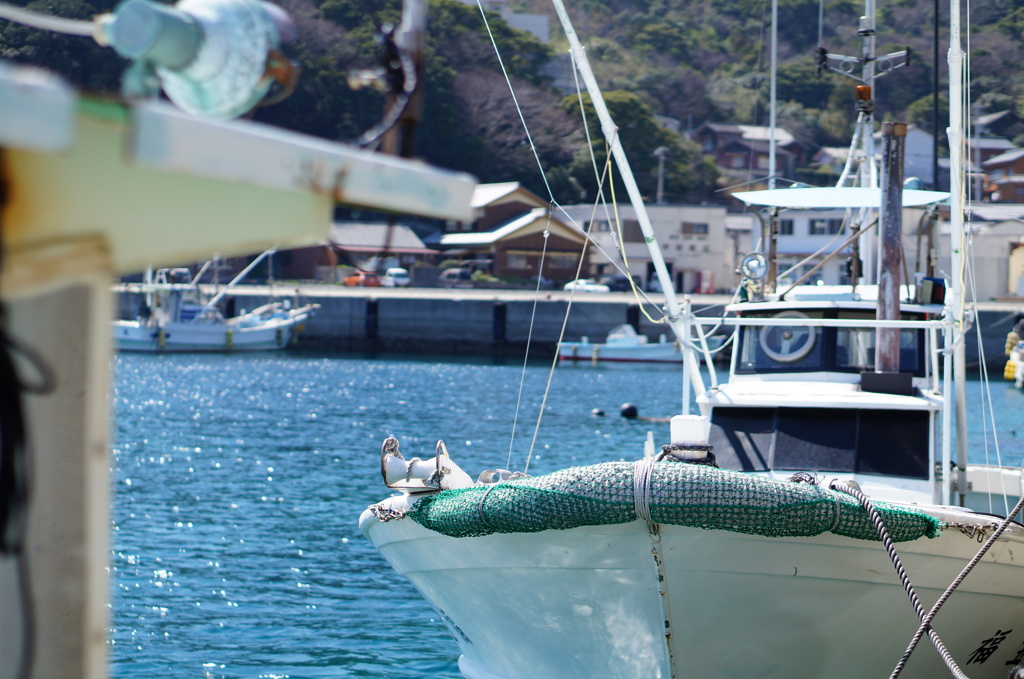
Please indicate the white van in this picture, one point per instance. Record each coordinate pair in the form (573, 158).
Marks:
(395, 277)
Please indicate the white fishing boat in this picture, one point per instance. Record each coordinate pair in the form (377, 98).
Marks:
(176, 317)
(811, 521)
(623, 344)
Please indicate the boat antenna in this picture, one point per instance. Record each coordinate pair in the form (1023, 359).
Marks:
(861, 168)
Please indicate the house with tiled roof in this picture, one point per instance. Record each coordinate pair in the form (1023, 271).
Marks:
(1005, 177)
(511, 233)
(742, 151)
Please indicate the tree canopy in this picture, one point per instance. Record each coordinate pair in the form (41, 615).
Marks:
(687, 61)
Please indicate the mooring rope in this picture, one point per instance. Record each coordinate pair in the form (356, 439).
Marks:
(643, 470)
(927, 620)
(904, 579)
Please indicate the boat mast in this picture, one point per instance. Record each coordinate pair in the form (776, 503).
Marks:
(861, 168)
(673, 312)
(955, 298)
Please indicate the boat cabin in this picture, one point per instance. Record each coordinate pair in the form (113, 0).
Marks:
(806, 397)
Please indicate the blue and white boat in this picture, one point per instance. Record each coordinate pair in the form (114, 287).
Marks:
(175, 317)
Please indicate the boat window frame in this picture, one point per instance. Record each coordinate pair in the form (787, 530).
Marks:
(826, 345)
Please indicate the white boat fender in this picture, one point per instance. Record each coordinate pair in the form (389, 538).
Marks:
(690, 435)
(420, 476)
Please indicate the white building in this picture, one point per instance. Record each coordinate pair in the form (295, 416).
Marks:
(699, 249)
(996, 252)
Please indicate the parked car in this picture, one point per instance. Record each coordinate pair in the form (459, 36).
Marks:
(586, 285)
(456, 278)
(395, 277)
(366, 279)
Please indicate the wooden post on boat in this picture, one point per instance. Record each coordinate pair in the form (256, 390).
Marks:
(887, 343)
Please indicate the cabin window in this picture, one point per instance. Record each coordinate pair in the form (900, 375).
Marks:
(780, 348)
(855, 348)
(893, 443)
(695, 228)
(768, 349)
(785, 227)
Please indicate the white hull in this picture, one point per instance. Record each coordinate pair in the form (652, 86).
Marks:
(666, 352)
(233, 335)
(585, 602)
(661, 352)
(623, 344)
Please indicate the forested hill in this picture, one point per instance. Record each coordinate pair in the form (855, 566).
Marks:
(691, 60)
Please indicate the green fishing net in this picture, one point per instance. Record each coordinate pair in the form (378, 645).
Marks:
(680, 494)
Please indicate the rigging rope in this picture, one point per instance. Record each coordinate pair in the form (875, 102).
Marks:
(519, 110)
(540, 272)
(876, 519)
(926, 621)
(529, 339)
(987, 406)
(602, 177)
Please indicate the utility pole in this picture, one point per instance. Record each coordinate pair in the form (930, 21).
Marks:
(661, 152)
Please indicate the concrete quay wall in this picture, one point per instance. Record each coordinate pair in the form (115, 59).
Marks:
(497, 322)
(448, 322)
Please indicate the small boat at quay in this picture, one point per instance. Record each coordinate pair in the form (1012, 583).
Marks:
(623, 344)
(175, 317)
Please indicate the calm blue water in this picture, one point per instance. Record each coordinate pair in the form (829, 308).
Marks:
(238, 482)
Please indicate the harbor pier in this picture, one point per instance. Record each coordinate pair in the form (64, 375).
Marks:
(494, 322)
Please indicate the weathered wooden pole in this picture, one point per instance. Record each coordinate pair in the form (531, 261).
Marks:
(887, 340)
